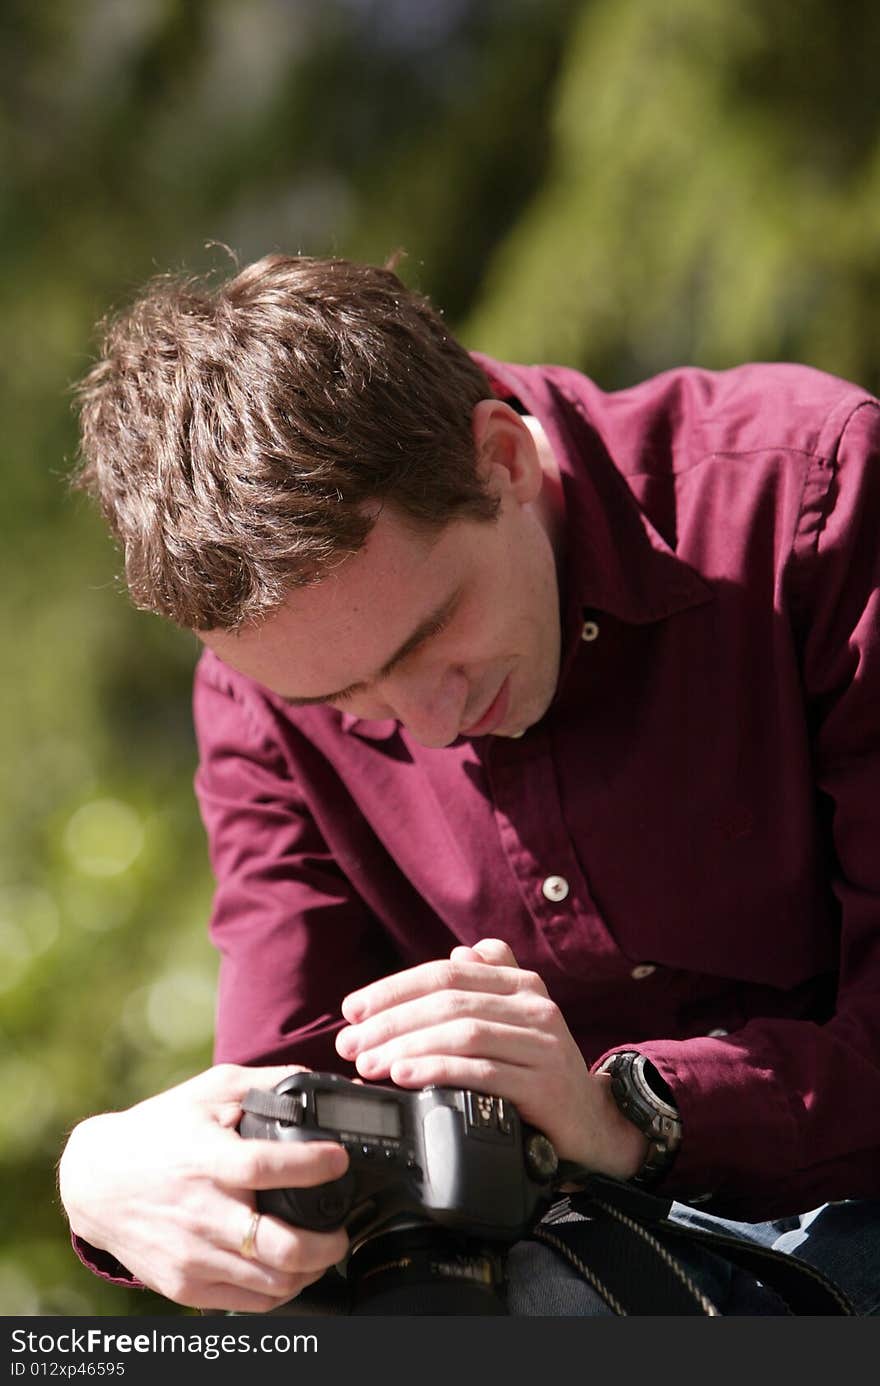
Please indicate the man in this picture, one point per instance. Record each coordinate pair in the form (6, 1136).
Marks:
(539, 751)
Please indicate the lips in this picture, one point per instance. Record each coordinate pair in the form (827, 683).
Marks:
(493, 716)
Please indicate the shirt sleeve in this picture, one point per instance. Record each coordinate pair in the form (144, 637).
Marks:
(785, 1115)
(293, 935)
(104, 1264)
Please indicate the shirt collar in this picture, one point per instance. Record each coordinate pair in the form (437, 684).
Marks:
(615, 559)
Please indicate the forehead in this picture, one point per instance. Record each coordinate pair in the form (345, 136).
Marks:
(343, 629)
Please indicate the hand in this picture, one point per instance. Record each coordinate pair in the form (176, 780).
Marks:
(168, 1187)
(478, 1021)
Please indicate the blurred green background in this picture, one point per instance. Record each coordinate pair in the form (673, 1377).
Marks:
(619, 185)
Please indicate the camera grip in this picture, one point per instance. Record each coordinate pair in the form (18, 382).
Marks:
(321, 1208)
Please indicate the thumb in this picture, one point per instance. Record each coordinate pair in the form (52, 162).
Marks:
(488, 950)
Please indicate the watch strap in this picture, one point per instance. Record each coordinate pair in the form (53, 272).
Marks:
(655, 1115)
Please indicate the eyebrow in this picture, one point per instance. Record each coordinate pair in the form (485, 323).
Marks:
(424, 630)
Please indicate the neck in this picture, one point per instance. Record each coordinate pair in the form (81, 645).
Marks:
(549, 504)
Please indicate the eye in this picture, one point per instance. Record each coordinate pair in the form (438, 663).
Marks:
(437, 628)
(430, 634)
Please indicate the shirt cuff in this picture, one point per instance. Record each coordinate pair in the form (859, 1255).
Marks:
(739, 1137)
(104, 1264)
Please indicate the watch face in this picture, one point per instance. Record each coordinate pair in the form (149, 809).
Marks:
(644, 1075)
(658, 1085)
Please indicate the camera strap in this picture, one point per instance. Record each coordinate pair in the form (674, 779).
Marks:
(276, 1106)
(623, 1243)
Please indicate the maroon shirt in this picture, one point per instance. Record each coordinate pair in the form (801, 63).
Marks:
(686, 847)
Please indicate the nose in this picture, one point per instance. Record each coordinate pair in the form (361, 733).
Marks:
(430, 704)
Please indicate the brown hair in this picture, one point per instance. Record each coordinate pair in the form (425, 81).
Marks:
(234, 434)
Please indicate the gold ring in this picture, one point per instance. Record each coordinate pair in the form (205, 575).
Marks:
(248, 1241)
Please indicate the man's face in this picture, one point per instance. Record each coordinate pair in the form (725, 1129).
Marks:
(449, 633)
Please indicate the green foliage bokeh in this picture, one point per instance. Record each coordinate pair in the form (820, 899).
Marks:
(620, 185)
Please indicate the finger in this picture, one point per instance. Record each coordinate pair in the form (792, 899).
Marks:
(462, 953)
(496, 952)
(222, 1089)
(441, 975)
(230, 1082)
(239, 1163)
(279, 1249)
(519, 1008)
(254, 1277)
(229, 1296)
(510, 1082)
(511, 1044)
(208, 1249)
(296, 1249)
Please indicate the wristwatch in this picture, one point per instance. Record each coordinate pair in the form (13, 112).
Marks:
(644, 1099)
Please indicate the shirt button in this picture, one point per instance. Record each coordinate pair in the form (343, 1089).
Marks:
(717, 1034)
(590, 631)
(555, 888)
(643, 970)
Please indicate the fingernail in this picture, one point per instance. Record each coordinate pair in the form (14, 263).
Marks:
(346, 1043)
(352, 1007)
(337, 1159)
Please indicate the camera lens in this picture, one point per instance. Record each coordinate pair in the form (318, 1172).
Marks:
(419, 1268)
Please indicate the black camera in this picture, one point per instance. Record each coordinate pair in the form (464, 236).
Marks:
(441, 1181)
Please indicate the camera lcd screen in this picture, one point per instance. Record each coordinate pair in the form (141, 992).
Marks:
(345, 1112)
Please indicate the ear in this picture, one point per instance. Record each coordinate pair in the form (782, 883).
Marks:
(507, 458)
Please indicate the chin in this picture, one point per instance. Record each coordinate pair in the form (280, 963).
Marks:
(525, 710)
(519, 723)
(535, 713)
